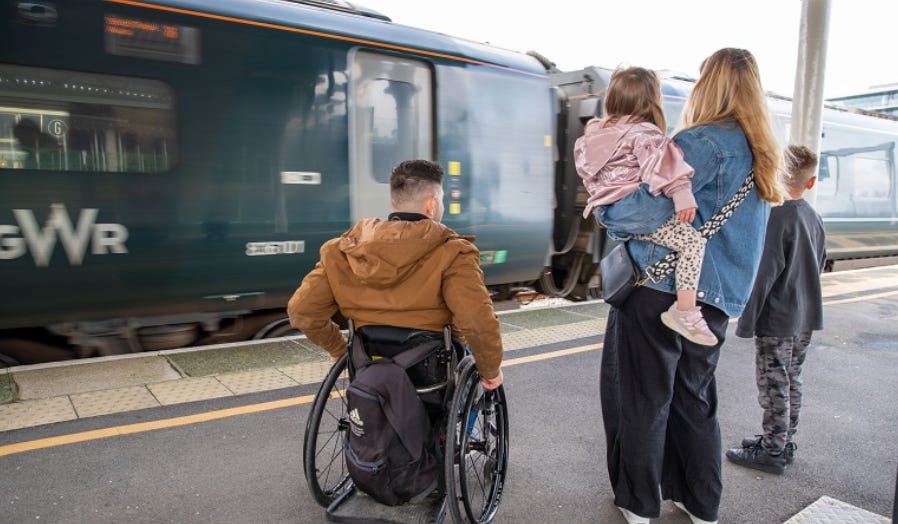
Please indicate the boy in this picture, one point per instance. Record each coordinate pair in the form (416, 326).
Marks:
(785, 306)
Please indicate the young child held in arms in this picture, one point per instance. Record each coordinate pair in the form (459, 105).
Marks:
(628, 147)
(785, 306)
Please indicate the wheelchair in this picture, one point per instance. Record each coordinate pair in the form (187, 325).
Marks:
(471, 426)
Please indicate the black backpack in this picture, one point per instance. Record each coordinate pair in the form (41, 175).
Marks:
(390, 450)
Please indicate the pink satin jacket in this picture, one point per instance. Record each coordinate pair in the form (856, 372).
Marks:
(614, 160)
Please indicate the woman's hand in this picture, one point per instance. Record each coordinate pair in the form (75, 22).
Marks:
(686, 216)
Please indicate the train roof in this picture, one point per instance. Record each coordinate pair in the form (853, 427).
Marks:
(349, 23)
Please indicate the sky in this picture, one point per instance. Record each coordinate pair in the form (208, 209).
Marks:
(672, 35)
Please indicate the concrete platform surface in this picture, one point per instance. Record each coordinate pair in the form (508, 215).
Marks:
(56, 392)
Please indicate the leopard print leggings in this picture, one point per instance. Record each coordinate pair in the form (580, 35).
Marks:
(688, 242)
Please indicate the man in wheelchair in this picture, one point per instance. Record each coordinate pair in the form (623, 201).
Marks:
(407, 271)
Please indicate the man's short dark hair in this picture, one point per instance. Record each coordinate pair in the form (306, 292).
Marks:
(801, 165)
(411, 178)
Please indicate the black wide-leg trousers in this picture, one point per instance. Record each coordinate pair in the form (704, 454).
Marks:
(659, 407)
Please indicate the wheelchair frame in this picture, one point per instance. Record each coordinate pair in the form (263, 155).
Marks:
(472, 447)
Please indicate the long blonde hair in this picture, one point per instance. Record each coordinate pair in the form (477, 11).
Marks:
(634, 92)
(729, 88)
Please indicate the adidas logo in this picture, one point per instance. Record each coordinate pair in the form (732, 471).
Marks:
(355, 418)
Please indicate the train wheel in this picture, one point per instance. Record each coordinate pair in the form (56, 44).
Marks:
(278, 328)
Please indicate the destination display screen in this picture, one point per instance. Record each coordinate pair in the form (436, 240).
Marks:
(156, 41)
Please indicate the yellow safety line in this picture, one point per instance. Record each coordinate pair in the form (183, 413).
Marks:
(153, 425)
(141, 427)
(551, 354)
(858, 299)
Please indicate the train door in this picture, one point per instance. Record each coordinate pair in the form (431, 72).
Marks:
(390, 120)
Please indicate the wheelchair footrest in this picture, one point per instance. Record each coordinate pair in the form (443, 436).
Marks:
(356, 507)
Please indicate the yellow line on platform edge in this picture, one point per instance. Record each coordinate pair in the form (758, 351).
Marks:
(142, 427)
(858, 299)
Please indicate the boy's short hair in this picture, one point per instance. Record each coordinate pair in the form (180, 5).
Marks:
(414, 179)
(801, 165)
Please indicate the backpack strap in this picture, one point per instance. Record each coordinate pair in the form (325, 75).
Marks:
(405, 360)
(412, 356)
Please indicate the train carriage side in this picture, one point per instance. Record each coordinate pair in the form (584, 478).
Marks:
(169, 170)
(856, 191)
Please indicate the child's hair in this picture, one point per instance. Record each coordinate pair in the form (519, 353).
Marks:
(801, 165)
(634, 92)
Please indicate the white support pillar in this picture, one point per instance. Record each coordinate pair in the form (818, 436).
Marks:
(807, 99)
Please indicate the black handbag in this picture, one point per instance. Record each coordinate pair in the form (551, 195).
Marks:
(621, 274)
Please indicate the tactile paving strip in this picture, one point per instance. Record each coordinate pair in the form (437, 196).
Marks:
(312, 373)
(256, 380)
(188, 390)
(528, 338)
(842, 283)
(827, 510)
(113, 401)
(36, 412)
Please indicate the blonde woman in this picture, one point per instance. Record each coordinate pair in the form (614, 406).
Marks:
(658, 390)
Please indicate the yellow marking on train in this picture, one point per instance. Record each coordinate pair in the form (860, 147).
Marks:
(279, 27)
(454, 168)
(454, 208)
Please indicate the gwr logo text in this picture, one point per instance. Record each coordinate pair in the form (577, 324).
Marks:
(16, 240)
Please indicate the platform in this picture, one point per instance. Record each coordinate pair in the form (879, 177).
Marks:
(44, 394)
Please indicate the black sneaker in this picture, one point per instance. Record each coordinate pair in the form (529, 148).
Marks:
(758, 458)
(790, 453)
(750, 442)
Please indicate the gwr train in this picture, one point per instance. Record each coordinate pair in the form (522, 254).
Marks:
(169, 168)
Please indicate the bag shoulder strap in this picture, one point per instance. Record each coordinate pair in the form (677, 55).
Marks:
(664, 267)
(405, 360)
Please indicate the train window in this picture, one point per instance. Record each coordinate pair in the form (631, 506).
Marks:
(673, 112)
(856, 173)
(828, 175)
(871, 178)
(391, 108)
(74, 121)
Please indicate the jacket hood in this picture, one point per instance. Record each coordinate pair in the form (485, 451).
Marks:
(381, 253)
(604, 141)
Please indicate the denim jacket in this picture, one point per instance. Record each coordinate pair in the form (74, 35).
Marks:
(722, 158)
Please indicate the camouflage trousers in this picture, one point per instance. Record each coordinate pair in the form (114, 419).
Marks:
(778, 372)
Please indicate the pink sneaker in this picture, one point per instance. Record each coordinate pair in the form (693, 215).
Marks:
(690, 323)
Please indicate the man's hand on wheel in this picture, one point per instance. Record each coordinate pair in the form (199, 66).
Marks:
(492, 383)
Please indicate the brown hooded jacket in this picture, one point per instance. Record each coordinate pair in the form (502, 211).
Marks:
(413, 274)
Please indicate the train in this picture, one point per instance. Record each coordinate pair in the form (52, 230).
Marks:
(170, 168)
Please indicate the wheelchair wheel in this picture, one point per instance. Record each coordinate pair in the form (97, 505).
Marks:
(326, 427)
(476, 454)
